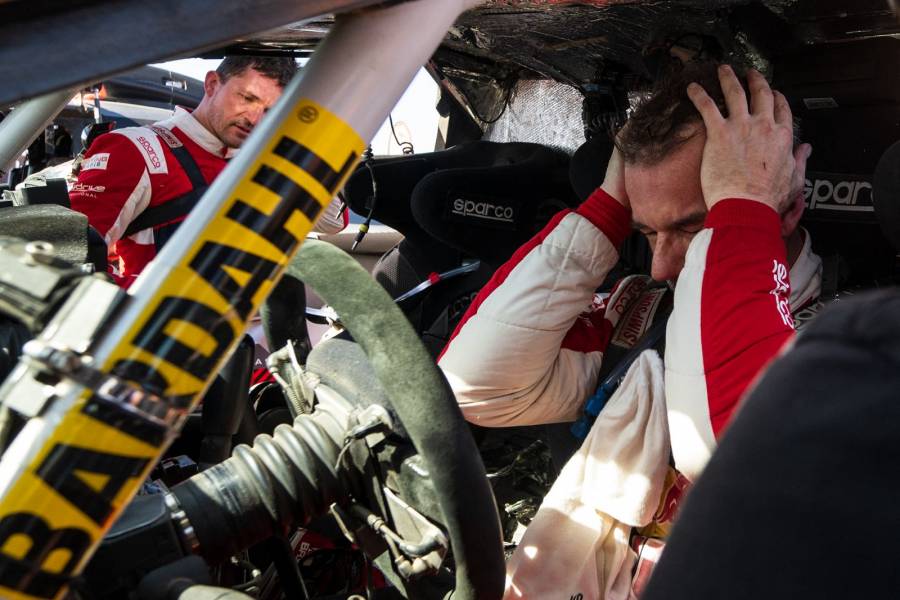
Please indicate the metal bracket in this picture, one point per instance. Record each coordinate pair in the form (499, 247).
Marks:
(79, 369)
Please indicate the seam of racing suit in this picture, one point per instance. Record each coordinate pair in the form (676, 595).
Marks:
(134, 205)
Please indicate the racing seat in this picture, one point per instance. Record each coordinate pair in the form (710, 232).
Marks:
(886, 194)
(586, 172)
(474, 202)
(850, 128)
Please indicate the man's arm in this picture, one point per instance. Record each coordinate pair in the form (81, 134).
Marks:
(733, 291)
(113, 187)
(524, 353)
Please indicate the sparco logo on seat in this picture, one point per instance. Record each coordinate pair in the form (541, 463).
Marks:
(483, 210)
(832, 191)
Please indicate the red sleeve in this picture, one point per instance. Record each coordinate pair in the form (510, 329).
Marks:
(113, 186)
(731, 317)
(745, 314)
(525, 352)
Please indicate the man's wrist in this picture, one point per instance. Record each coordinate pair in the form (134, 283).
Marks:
(740, 196)
(608, 214)
(745, 212)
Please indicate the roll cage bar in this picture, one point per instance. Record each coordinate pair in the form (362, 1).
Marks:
(75, 466)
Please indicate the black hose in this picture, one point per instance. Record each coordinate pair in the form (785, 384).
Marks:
(225, 403)
(280, 483)
(284, 318)
(249, 427)
(282, 555)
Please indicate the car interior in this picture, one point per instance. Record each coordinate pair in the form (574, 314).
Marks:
(532, 93)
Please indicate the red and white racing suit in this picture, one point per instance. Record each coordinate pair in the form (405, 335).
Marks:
(130, 170)
(531, 345)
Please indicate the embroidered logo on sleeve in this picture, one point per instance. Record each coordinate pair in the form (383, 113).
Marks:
(98, 161)
(780, 292)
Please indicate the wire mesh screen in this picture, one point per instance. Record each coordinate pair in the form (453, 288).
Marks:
(542, 111)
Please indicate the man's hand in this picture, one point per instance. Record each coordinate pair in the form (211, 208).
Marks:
(614, 182)
(748, 154)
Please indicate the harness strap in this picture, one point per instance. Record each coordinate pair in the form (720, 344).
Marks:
(179, 206)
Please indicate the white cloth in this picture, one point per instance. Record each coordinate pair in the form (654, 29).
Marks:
(806, 275)
(577, 544)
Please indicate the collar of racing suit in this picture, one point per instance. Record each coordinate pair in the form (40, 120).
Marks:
(185, 121)
(806, 276)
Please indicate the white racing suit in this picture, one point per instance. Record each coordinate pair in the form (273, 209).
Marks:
(530, 347)
(529, 352)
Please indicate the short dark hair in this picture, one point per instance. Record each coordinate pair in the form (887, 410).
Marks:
(661, 123)
(281, 69)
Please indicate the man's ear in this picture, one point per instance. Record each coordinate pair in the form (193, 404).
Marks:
(211, 83)
(790, 217)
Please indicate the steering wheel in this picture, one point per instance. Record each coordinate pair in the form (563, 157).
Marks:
(424, 403)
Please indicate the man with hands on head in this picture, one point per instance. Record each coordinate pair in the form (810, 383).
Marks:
(713, 179)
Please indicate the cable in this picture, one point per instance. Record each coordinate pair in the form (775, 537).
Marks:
(369, 162)
(340, 459)
(405, 147)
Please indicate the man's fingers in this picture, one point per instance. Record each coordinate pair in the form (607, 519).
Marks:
(783, 115)
(704, 105)
(762, 101)
(735, 98)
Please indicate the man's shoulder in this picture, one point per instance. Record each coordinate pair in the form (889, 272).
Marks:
(138, 143)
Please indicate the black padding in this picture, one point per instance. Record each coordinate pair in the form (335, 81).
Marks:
(446, 305)
(446, 205)
(886, 194)
(13, 336)
(587, 168)
(284, 317)
(488, 212)
(396, 177)
(54, 191)
(68, 231)
(845, 97)
(397, 270)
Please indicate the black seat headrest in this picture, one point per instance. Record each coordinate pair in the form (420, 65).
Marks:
(587, 168)
(481, 198)
(886, 194)
(396, 177)
(488, 212)
(845, 98)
